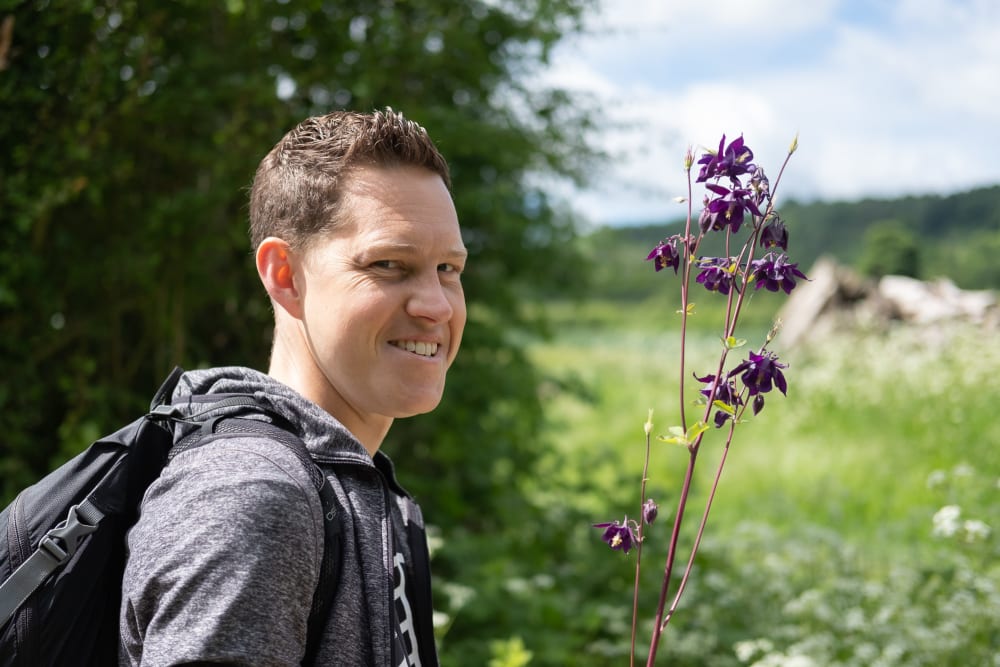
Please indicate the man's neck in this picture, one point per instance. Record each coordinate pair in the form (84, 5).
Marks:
(287, 367)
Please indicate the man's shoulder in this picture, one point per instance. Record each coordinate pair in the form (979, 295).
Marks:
(249, 452)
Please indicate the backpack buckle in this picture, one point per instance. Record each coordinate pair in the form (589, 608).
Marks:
(165, 411)
(62, 541)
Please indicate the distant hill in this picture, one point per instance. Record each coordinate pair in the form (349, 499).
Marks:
(958, 237)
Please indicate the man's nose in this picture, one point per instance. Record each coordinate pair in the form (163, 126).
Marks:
(429, 300)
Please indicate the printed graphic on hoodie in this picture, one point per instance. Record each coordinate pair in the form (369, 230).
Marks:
(405, 653)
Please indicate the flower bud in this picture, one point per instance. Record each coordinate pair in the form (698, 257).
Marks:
(649, 510)
(648, 426)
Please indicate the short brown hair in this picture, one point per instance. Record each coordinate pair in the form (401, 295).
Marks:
(297, 189)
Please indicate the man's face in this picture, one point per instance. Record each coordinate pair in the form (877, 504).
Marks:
(383, 303)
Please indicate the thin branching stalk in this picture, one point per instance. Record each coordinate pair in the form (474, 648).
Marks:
(671, 553)
(688, 257)
(733, 275)
(638, 548)
(701, 527)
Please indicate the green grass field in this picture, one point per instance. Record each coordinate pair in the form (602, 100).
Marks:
(821, 544)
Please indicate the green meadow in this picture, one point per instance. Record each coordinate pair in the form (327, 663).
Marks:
(827, 543)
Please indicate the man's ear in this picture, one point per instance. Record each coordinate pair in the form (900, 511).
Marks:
(277, 268)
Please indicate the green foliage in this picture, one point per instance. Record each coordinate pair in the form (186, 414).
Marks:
(890, 249)
(131, 132)
(762, 598)
(972, 262)
(510, 653)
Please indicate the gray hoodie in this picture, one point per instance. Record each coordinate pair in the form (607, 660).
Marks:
(225, 557)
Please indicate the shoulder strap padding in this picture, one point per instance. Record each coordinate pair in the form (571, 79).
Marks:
(330, 565)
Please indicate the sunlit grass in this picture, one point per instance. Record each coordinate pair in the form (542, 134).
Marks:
(868, 420)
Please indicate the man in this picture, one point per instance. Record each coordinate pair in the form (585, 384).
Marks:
(359, 248)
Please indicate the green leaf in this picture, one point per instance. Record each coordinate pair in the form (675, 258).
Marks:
(725, 407)
(697, 429)
(733, 343)
(681, 437)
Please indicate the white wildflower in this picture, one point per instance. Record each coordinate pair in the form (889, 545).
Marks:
(782, 660)
(946, 521)
(746, 650)
(963, 470)
(936, 478)
(975, 530)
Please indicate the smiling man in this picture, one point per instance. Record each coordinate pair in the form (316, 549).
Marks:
(359, 248)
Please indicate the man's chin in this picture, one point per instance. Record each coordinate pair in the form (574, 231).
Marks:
(420, 407)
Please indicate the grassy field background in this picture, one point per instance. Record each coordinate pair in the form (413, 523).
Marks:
(822, 545)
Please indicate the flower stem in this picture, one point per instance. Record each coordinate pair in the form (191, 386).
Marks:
(685, 286)
(701, 529)
(638, 551)
(671, 554)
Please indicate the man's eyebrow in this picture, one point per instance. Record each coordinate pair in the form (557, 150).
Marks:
(457, 252)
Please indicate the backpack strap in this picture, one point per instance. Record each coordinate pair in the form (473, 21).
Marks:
(330, 565)
(56, 547)
(60, 543)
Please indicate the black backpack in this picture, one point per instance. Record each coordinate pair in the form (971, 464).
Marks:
(62, 540)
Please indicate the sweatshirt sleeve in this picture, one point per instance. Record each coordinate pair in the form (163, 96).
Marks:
(224, 559)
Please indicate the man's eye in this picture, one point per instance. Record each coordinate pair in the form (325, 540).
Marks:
(386, 264)
(449, 268)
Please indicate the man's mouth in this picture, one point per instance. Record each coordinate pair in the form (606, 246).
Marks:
(416, 347)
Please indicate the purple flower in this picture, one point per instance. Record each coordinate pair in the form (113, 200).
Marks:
(728, 209)
(759, 372)
(733, 161)
(760, 185)
(724, 392)
(649, 511)
(775, 272)
(619, 536)
(665, 254)
(774, 235)
(716, 273)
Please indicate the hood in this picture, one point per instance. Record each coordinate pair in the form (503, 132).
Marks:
(321, 432)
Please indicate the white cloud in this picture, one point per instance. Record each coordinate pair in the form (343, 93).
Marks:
(904, 101)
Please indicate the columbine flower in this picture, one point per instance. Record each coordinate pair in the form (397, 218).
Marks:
(724, 392)
(649, 511)
(716, 273)
(774, 235)
(728, 209)
(759, 372)
(760, 185)
(774, 271)
(733, 161)
(665, 254)
(619, 536)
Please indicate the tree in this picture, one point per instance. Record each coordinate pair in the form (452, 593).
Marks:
(890, 248)
(131, 132)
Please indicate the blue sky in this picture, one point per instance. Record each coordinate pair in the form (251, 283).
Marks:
(888, 97)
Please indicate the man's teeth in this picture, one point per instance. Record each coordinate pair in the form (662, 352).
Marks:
(423, 349)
